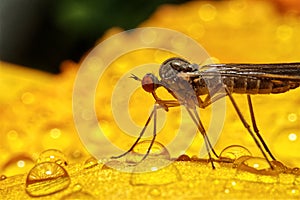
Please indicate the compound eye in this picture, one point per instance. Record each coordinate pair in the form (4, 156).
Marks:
(148, 83)
(176, 65)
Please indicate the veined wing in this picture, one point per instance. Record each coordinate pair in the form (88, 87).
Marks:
(288, 71)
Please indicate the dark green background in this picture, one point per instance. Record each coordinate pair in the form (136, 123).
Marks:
(42, 33)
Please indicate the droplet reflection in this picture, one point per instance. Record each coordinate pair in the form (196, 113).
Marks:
(53, 155)
(2, 177)
(46, 178)
(158, 151)
(155, 172)
(233, 152)
(90, 163)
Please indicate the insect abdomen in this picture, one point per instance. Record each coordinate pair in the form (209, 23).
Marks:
(245, 85)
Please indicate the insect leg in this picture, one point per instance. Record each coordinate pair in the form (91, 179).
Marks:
(154, 134)
(140, 136)
(202, 131)
(247, 126)
(256, 129)
(201, 125)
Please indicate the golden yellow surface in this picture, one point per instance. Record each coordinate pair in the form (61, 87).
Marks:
(36, 116)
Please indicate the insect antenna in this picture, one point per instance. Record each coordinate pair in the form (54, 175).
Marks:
(135, 77)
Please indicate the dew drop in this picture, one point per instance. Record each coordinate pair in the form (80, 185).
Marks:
(296, 170)
(90, 163)
(46, 178)
(257, 165)
(78, 195)
(240, 160)
(27, 98)
(292, 136)
(155, 192)
(207, 12)
(154, 172)
(55, 133)
(183, 157)
(195, 158)
(77, 187)
(226, 191)
(278, 166)
(77, 154)
(157, 151)
(292, 117)
(293, 191)
(233, 152)
(18, 164)
(2, 177)
(53, 155)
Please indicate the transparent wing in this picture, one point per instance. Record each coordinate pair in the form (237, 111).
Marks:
(290, 71)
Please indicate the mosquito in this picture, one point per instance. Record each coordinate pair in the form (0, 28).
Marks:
(187, 82)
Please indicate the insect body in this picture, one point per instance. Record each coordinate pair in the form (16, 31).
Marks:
(188, 82)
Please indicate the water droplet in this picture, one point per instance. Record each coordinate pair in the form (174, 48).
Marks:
(207, 12)
(240, 160)
(292, 136)
(233, 183)
(77, 187)
(53, 155)
(78, 195)
(2, 177)
(155, 172)
(46, 178)
(155, 192)
(183, 158)
(278, 166)
(18, 164)
(27, 98)
(292, 117)
(77, 154)
(296, 170)
(157, 151)
(194, 158)
(256, 165)
(233, 152)
(55, 133)
(90, 163)
(294, 191)
(226, 191)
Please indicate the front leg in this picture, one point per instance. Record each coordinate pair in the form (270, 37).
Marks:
(165, 104)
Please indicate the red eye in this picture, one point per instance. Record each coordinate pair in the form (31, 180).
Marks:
(148, 83)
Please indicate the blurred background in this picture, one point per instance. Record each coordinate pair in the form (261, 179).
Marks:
(41, 34)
